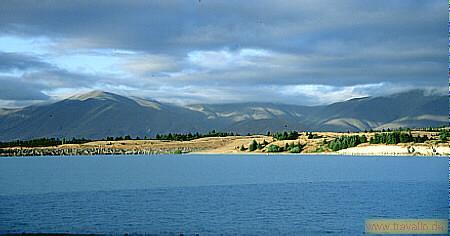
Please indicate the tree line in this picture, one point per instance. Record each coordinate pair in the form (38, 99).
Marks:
(344, 142)
(191, 136)
(291, 135)
(47, 142)
(43, 142)
(394, 137)
(397, 137)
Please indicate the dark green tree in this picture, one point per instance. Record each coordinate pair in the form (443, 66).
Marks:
(253, 146)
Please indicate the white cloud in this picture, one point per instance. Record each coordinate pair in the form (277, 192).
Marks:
(86, 63)
(323, 94)
(32, 45)
(227, 59)
(143, 64)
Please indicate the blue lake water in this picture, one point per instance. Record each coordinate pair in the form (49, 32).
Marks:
(217, 194)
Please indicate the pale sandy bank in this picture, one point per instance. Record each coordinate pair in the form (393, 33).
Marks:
(398, 150)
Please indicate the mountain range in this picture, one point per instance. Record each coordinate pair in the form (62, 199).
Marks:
(98, 114)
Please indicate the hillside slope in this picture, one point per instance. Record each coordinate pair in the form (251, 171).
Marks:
(99, 114)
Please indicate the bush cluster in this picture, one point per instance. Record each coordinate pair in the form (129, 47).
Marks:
(292, 148)
(291, 135)
(344, 142)
(254, 145)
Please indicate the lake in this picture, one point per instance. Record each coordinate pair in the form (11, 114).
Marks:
(217, 194)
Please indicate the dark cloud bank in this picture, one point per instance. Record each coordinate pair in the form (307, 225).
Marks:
(229, 51)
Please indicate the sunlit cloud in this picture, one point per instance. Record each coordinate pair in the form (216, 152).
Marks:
(225, 58)
(86, 63)
(26, 45)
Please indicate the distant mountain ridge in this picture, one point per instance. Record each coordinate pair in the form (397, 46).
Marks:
(98, 114)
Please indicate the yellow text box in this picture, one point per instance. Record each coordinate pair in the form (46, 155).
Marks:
(406, 226)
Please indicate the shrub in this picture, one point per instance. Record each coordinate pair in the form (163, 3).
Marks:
(295, 149)
(444, 135)
(259, 146)
(273, 148)
(178, 151)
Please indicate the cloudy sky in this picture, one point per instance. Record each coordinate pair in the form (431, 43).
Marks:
(205, 51)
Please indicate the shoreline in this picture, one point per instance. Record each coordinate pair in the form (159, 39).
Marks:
(211, 155)
(441, 150)
(240, 145)
(310, 154)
